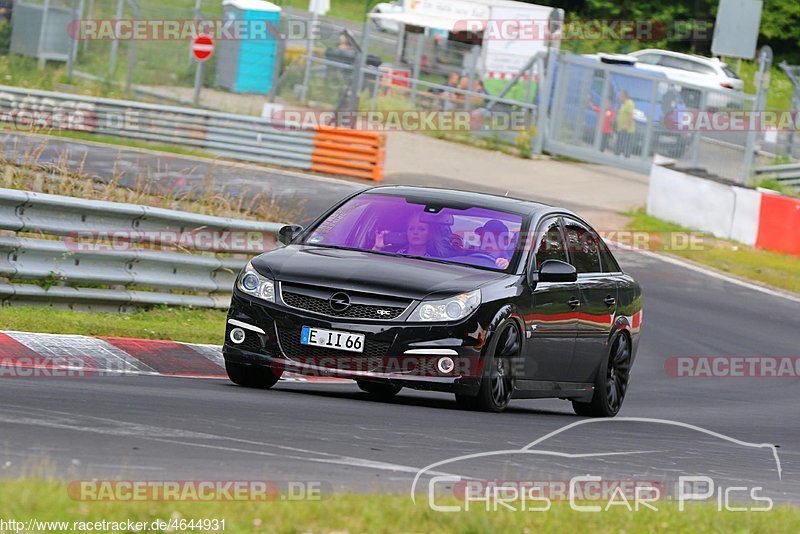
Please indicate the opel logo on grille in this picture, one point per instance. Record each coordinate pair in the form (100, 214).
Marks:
(339, 302)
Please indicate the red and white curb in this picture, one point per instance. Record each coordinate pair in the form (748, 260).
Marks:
(91, 356)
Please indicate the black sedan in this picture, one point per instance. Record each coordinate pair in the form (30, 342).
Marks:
(487, 297)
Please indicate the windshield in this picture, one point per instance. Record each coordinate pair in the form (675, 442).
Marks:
(469, 235)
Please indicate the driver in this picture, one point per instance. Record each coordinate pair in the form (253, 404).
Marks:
(495, 242)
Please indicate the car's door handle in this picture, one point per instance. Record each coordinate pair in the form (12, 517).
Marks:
(573, 303)
(610, 301)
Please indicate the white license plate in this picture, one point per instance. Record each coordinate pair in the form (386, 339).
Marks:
(332, 339)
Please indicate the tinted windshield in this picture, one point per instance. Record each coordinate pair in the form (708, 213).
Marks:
(469, 235)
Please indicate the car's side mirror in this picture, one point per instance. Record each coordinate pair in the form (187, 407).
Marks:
(287, 233)
(557, 271)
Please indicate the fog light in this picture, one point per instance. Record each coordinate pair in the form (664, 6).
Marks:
(237, 335)
(445, 365)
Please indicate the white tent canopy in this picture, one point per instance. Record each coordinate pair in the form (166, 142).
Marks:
(424, 21)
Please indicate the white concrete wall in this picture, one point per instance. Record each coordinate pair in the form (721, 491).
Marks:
(699, 204)
(746, 216)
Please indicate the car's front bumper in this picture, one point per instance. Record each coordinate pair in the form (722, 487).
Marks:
(396, 352)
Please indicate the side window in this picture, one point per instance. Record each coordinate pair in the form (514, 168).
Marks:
(610, 264)
(583, 246)
(550, 243)
(650, 59)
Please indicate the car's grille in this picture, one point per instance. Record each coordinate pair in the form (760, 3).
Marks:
(299, 297)
(372, 358)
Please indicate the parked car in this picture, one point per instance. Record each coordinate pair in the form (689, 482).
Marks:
(385, 25)
(487, 297)
(726, 89)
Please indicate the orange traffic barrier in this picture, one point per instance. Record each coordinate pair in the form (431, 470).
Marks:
(354, 153)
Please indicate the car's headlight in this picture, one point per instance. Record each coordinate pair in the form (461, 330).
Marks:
(252, 283)
(450, 309)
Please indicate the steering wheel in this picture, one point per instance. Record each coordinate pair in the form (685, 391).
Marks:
(483, 256)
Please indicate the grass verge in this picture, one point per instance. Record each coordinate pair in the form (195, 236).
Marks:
(22, 500)
(176, 324)
(771, 268)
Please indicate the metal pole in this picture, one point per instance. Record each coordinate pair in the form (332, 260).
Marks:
(198, 5)
(697, 135)
(547, 79)
(73, 53)
(131, 56)
(601, 111)
(473, 65)
(198, 83)
(280, 50)
(362, 61)
(42, 35)
(417, 65)
(764, 62)
(650, 125)
(309, 49)
(398, 54)
(112, 63)
(88, 17)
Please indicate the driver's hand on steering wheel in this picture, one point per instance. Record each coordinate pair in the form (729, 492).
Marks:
(502, 263)
(379, 240)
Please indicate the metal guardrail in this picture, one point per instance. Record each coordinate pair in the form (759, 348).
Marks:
(118, 247)
(238, 137)
(228, 135)
(788, 174)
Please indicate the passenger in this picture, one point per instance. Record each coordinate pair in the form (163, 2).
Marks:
(495, 242)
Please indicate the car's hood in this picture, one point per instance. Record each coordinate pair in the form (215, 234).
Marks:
(365, 271)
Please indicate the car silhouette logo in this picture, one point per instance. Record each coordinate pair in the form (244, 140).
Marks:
(339, 302)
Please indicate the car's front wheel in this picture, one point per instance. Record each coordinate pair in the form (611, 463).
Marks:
(611, 383)
(380, 391)
(252, 376)
(497, 384)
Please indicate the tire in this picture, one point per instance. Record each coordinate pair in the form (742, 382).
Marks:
(252, 376)
(611, 383)
(497, 384)
(379, 391)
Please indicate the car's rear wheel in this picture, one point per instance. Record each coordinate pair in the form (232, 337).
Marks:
(497, 384)
(380, 391)
(252, 376)
(611, 383)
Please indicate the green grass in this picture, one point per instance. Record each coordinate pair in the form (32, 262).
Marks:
(771, 268)
(779, 95)
(119, 141)
(48, 501)
(176, 324)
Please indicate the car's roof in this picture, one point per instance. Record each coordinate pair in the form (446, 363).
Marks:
(691, 57)
(485, 200)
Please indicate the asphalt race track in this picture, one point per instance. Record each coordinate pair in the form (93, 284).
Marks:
(151, 427)
(180, 428)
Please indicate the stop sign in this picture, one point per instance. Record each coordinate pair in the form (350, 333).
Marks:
(202, 47)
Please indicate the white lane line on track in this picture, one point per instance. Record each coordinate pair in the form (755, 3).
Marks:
(173, 436)
(707, 271)
(348, 461)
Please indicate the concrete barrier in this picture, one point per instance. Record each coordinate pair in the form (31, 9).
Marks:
(755, 217)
